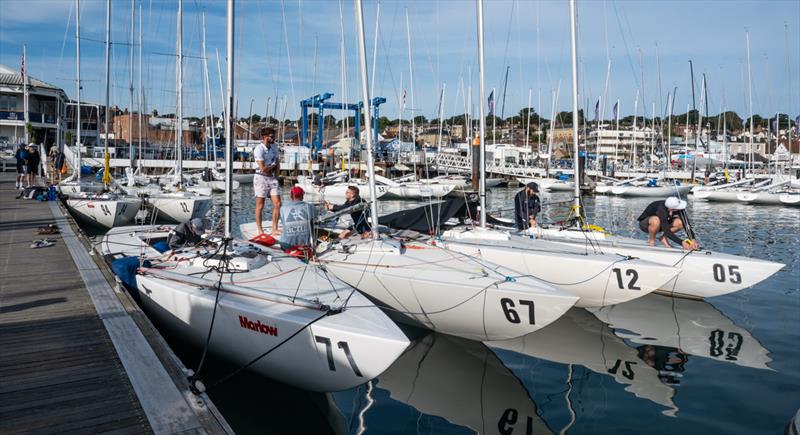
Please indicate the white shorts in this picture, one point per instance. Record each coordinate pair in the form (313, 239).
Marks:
(265, 186)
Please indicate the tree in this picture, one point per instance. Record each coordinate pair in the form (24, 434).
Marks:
(420, 120)
(68, 137)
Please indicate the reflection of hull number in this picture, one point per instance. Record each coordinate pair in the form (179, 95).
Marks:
(105, 209)
(184, 207)
(329, 353)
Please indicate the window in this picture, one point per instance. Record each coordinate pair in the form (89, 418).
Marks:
(8, 103)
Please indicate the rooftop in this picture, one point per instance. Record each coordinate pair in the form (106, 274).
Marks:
(9, 76)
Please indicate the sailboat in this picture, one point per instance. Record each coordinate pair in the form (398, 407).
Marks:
(437, 288)
(703, 273)
(598, 279)
(73, 184)
(106, 210)
(257, 307)
(179, 201)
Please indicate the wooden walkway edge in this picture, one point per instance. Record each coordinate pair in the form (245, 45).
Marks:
(73, 359)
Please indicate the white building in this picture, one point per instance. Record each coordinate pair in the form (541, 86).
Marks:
(46, 109)
(619, 144)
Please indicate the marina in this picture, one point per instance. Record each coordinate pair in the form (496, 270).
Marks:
(348, 273)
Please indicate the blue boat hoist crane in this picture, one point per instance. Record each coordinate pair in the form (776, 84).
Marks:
(321, 103)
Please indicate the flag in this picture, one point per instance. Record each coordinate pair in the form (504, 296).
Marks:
(616, 110)
(775, 126)
(23, 64)
(403, 99)
(797, 124)
(597, 111)
(491, 103)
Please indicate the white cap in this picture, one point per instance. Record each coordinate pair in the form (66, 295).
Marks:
(675, 203)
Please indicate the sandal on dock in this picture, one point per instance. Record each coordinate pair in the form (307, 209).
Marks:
(43, 243)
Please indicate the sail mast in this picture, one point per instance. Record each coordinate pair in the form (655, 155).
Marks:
(575, 145)
(108, 85)
(362, 61)
(229, 130)
(179, 111)
(77, 166)
(130, 110)
(482, 93)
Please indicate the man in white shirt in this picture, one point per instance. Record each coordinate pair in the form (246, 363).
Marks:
(265, 181)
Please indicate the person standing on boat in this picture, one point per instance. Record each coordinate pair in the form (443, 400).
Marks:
(360, 224)
(296, 218)
(186, 234)
(526, 206)
(666, 217)
(265, 181)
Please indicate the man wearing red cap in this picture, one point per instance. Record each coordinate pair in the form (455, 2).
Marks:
(296, 218)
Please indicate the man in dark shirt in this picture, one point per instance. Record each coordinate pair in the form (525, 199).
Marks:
(665, 217)
(186, 234)
(360, 224)
(527, 206)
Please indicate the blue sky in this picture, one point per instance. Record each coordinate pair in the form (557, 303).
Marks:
(530, 37)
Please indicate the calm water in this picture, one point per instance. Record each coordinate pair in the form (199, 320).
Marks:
(655, 365)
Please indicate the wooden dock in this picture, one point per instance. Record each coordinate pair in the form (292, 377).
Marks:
(75, 355)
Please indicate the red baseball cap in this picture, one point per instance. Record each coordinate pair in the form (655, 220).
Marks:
(297, 192)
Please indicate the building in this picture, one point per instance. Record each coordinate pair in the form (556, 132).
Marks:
(620, 144)
(45, 110)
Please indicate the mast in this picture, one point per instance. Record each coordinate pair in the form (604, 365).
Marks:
(140, 82)
(633, 131)
(575, 150)
(411, 88)
(179, 110)
(208, 97)
(77, 166)
(362, 61)
(130, 110)
(108, 84)
(528, 123)
(482, 184)
(750, 101)
(229, 131)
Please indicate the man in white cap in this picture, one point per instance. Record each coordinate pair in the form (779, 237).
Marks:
(665, 217)
(186, 234)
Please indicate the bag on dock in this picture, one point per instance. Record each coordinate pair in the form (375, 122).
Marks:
(33, 192)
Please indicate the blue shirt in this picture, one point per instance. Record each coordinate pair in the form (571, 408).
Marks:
(269, 155)
(296, 217)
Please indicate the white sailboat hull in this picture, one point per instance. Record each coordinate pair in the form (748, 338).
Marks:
(760, 198)
(243, 178)
(651, 192)
(309, 347)
(106, 213)
(550, 184)
(419, 191)
(446, 291)
(597, 279)
(180, 206)
(790, 199)
(731, 195)
(336, 192)
(704, 274)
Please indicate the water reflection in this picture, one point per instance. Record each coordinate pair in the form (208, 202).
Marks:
(580, 338)
(461, 381)
(659, 324)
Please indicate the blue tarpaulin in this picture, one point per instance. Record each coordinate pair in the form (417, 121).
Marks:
(125, 269)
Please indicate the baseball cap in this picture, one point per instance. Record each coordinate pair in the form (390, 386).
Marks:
(297, 191)
(675, 203)
(197, 225)
(534, 186)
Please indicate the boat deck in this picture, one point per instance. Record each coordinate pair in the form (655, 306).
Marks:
(73, 358)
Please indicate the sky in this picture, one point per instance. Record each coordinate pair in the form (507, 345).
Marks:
(292, 49)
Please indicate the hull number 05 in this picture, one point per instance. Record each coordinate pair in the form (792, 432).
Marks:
(733, 273)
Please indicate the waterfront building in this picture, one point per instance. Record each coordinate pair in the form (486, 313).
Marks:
(45, 109)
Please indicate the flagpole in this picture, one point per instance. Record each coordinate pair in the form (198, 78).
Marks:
(25, 92)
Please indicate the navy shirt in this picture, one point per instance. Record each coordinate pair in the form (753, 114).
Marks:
(359, 217)
(525, 208)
